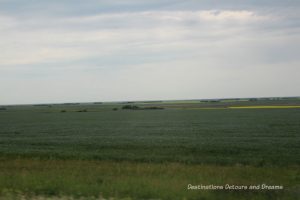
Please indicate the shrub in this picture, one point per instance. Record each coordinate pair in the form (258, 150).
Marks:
(154, 108)
(130, 107)
(84, 110)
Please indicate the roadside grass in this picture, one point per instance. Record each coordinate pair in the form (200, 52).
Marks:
(238, 107)
(29, 179)
(262, 107)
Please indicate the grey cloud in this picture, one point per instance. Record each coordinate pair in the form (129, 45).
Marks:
(99, 49)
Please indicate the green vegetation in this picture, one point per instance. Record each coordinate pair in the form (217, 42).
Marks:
(79, 178)
(250, 137)
(84, 150)
(134, 107)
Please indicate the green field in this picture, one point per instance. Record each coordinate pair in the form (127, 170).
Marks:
(91, 150)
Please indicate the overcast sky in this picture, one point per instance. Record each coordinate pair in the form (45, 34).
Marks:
(114, 50)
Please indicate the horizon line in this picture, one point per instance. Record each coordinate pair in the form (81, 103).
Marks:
(136, 101)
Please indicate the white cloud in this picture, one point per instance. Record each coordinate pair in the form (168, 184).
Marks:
(242, 15)
(7, 22)
(30, 41)
(148, 55)
(175, 16)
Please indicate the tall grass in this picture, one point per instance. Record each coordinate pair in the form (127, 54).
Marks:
(54, 178)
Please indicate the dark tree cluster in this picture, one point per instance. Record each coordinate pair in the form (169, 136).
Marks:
(130, 107)
(133, 107)
(84, 110)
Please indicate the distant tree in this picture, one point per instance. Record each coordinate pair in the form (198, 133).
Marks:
(214, 101)
(63, 111)
(84, 110)
(253, 99)
(115, 109)
(130, 107)
(153, 108)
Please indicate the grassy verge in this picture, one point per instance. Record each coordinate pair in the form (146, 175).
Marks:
(29, 179)
(263, 107)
